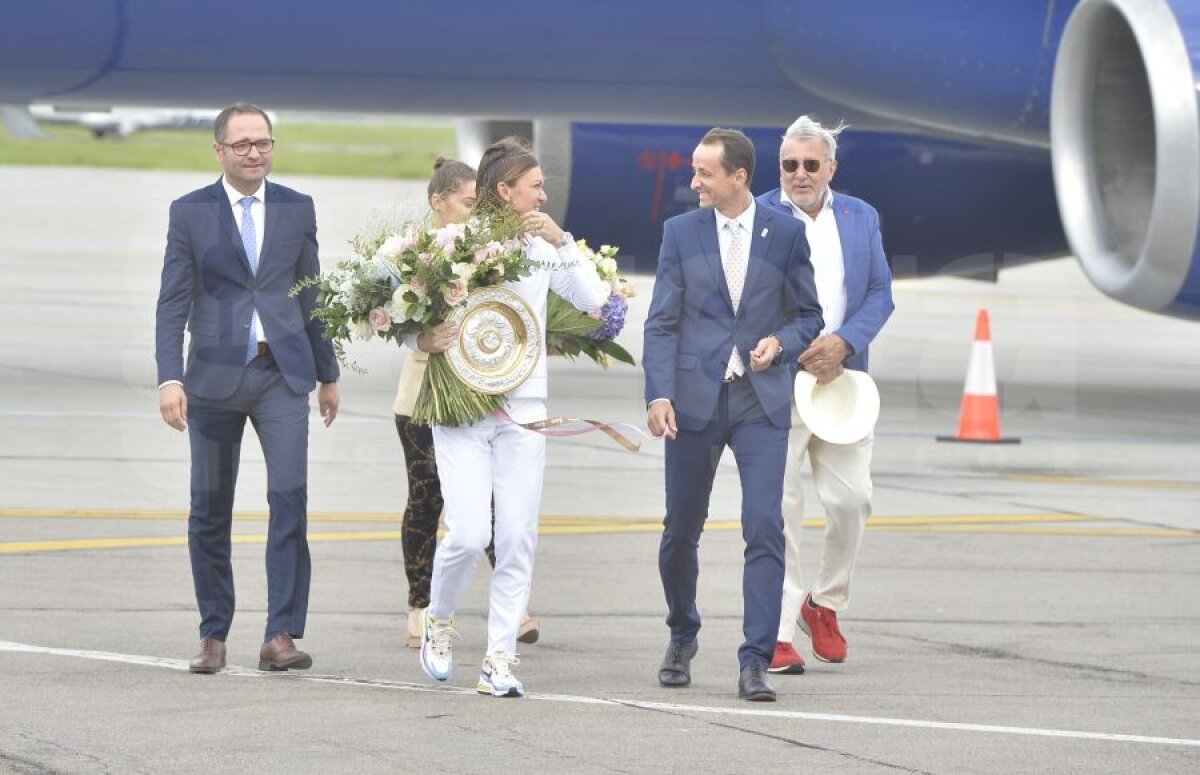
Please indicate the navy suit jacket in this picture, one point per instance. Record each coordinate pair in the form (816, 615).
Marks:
(868, 277)
(207, 285)
(691, 327)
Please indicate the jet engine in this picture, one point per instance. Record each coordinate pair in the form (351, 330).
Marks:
(1125, 138)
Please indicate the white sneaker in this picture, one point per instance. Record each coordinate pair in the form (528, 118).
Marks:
(496, 678)
(437, 655)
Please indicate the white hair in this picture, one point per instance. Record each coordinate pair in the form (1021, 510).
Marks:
(805, 128)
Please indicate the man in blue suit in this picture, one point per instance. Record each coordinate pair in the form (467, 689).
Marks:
(734, 306)
(854, 285)
(234, 251)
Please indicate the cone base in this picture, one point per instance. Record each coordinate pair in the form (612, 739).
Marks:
(1004, 440)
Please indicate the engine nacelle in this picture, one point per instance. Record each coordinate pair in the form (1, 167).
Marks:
(1125, 134)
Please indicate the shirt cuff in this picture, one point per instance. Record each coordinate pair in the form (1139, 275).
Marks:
(170, 382)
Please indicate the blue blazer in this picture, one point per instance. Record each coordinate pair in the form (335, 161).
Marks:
(691, 327)
(868, 277)
(207, 286)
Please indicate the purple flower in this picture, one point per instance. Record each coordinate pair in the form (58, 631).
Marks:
(613, 315)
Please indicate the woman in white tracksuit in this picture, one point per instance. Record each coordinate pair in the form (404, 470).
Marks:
(495, 458)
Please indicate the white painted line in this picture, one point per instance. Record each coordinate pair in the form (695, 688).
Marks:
(374, 683)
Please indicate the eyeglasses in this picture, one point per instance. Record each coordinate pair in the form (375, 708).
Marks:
(791, 165)
(242, 147)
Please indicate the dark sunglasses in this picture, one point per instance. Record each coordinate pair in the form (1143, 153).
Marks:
(791, 165)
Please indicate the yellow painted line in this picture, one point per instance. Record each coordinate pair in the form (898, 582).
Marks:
(617, 523)
(1100, 532)
(151, 514)
(1012, 524)
(570, 526)
(1142, 484)
(970, 519)
(16, 547)
(76, 544)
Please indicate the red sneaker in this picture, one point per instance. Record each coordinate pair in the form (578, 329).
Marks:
(786, 659)
(820, 622)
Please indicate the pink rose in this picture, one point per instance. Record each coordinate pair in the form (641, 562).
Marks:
(379, 319)
(446, 236)
(456, 292)
(419, 287)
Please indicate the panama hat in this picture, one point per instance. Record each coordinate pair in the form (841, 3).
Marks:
(841, 412)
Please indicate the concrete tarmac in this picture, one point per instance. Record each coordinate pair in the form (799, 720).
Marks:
(1016, 608)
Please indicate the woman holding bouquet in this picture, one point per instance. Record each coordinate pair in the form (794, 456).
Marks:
(451, 194)
(495, 458)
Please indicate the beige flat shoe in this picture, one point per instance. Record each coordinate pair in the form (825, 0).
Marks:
(530, 630)
(413, 638)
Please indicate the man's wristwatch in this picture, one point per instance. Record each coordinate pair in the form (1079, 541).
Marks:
(779, 352)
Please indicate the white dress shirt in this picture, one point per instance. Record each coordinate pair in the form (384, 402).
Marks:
(746, 219)
(724, 238)
(829, 268)
(258, 211)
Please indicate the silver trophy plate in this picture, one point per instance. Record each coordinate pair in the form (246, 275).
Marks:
(499, 341)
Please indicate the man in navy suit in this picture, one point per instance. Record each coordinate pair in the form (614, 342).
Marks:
(234, 251)
(734, 306)
(854, 285)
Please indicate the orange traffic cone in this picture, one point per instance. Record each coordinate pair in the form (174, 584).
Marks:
(979, 419)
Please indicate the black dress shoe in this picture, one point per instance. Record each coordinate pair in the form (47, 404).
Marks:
(752, 684)
(676, 667)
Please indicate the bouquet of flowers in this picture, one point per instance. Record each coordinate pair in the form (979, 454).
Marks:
(401, 283)
(571, 332)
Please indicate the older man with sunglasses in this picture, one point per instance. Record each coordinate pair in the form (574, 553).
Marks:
(854, 286)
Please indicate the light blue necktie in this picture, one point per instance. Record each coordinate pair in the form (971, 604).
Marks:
(250, 243)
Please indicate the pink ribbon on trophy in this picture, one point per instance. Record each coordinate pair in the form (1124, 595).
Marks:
(545, 427)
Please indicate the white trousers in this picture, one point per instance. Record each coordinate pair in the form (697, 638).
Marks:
(492, 458)
(842, 476)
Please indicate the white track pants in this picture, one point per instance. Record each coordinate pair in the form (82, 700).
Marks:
(842, 476)
(490, 458)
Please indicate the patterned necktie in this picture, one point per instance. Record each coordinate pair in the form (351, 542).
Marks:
(250, 243)
(734, 262)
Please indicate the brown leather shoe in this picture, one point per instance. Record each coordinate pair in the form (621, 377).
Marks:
(280, 653)
(211, 657)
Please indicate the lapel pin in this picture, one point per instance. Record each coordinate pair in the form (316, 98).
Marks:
(764, 232)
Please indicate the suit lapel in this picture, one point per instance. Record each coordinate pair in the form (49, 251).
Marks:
(759, 239)
(228, 226)
(847, 235)
(706, 226)
(272, 213)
